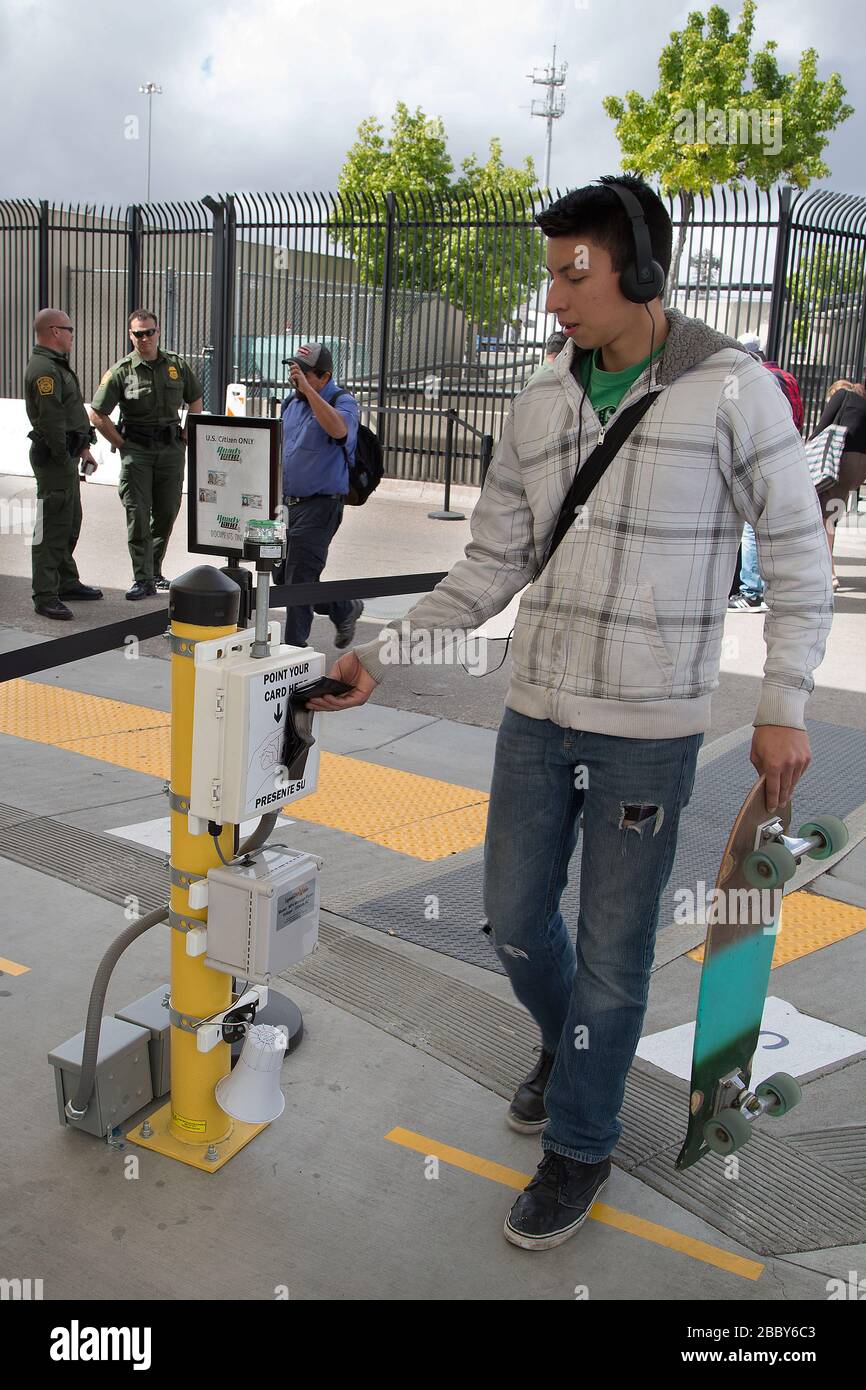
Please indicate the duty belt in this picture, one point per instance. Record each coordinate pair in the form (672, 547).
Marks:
(151, 435)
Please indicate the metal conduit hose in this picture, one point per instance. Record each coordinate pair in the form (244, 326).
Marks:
(76, 1108)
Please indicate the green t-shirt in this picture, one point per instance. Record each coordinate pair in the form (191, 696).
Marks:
(606, 389)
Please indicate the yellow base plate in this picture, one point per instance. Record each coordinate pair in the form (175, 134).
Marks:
(162, 1141)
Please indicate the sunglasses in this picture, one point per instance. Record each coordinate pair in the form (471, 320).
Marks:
(64, 328)
(143, 332)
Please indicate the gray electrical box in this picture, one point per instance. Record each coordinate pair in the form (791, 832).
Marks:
(263, 915)
(151, 1012)
(123, 1083)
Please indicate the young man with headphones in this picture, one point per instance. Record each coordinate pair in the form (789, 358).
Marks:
(616, 651)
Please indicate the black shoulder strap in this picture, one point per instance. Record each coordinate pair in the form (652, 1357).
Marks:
(588, 475)
(334, 398)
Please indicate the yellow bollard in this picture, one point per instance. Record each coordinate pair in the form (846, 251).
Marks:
(192, 1127)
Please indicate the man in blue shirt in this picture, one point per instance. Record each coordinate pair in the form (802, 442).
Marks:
(318, 443)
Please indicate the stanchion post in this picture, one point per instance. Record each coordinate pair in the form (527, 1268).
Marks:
(203, 604)
(446, 514)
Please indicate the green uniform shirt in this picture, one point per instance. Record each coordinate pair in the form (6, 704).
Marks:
(148, 393)
(54, 403)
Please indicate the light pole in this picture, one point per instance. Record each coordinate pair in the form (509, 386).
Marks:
(150, 90)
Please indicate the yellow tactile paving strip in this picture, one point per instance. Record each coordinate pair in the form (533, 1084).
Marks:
(418, 816)
(808, 923)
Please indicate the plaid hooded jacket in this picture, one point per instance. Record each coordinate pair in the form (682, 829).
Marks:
(622, 633)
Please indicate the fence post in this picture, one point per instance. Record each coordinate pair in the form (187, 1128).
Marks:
(486, 455)
(133, 260)
(231, 224)
(43, 270)
(385, 336)
(222, 285)
(783, 238)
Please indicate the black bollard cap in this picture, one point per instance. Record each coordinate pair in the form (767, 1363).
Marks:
(204, 596)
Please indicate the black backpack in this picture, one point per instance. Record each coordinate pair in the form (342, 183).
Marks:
(365, 474)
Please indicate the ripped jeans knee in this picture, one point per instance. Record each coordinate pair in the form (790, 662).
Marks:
(637, 816)
(507, 947)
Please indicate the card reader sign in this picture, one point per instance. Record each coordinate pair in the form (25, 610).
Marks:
(268, 715)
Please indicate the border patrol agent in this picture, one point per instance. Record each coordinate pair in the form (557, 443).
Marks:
(150, 386)
(61, 436)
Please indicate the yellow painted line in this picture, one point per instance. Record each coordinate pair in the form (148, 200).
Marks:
(808, 923)
(608, 1216)
(422, 817)
(8, 967)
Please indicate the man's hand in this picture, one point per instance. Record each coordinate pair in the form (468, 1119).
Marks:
(350, 670)
(781, 755)
(86, 457)
(301, 381)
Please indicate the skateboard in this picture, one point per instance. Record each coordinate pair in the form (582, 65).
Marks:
(743, 922)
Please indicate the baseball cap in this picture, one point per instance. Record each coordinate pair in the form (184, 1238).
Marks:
(314, 356)
(750, 341)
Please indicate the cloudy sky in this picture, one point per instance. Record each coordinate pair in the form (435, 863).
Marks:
(268, 94)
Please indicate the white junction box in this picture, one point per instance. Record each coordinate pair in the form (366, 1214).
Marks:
(242, 729)
(263, 915)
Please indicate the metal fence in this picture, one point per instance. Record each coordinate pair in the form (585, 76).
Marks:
(432, 307)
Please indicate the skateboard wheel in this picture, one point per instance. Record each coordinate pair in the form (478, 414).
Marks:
(782, 1091)
(834, 831)
(769, 867)
(727, 1132)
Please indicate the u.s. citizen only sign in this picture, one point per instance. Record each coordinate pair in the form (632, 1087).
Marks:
(234, 477)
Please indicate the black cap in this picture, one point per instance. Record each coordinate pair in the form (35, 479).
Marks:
(314, 357)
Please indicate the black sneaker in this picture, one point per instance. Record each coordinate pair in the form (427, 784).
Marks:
(556, 1203)
(142, 588)
(526, 1112)
(748, 603)
(53, 608)
(161, 582)
(346, 629)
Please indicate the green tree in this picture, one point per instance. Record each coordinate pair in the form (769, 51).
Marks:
(487, 263)
(824, 281)
(706, 267)
(706, 125)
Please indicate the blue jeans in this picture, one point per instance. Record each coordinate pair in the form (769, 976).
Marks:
(588, 1002)
(750, 576)
(313, 523)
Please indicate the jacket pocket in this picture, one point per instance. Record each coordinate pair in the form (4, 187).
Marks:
(593, 639)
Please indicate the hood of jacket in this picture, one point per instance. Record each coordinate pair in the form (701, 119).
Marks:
(688, 343)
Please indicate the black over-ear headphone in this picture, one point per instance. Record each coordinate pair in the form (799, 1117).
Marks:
(643, 279)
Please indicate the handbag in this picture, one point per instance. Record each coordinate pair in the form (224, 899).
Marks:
(824, 455)
(586, 477)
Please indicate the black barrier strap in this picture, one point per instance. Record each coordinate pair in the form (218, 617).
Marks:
(290, 595)
(43, 656)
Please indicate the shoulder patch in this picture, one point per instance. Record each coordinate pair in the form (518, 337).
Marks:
(105, 378)
(45, 385)
(173, 372)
